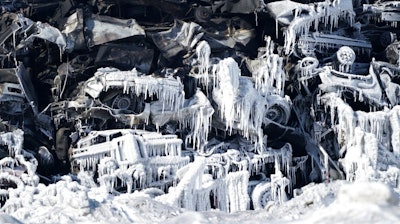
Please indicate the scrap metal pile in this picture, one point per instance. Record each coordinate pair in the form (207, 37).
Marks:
(228, 104)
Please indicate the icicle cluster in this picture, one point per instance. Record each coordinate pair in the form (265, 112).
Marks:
(326, 13)
(227, 74)
(200, 192)
(376, 123)
(203, 52)
(361, 158)
(378, 12)
(19, 168)
(281, 158)
(14, 141)
(240, 105)
(196, 116)
(300, 163)
(278, 185)
(184, 194)
(267, 71)
(236, 187)
(168, 90)
(254, 163)
(369, 139)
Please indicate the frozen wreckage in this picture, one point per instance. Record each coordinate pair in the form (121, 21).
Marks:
(171, 97)
(139, 159)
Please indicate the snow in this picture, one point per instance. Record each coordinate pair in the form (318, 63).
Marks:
(69, 202)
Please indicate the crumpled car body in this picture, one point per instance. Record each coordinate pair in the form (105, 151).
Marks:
(140, 159)
(96, 30)
(388, 11)
(11, 92)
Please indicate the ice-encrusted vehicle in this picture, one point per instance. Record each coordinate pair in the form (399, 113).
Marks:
(17, 165)
(137, 158)
(127, 99)
(386, 11)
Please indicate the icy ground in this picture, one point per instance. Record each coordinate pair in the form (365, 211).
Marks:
(335, 202)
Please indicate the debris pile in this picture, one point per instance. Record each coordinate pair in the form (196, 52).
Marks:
(203, 104)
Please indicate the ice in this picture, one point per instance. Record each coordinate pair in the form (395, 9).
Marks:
(108, 181)
(195, 116)
(316, 203)
(238, 198)
(282, 159)
(394, 117)
(300, 164)
(168, 90)
(203, 52)
(278, 185)
(367, 138)
(227, 75)
(196, 188)
(240, 105)
(199, 122)
(13, 140)
(267, 70)
(325, 13)
(137, 159)
(7, 161)
(13, 179)
(184, 194)
(360, 159)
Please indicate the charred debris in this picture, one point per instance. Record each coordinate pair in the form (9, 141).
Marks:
(192, 100)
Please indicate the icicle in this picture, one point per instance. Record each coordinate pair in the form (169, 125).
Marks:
(267, 70)
(198, 121)
(327, 13)
(237, 187)
(240, 105)
(278, 185)
(203, 52)
(395, 129)
(168, 90)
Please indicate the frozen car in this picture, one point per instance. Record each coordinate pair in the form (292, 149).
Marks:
(137, 158)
